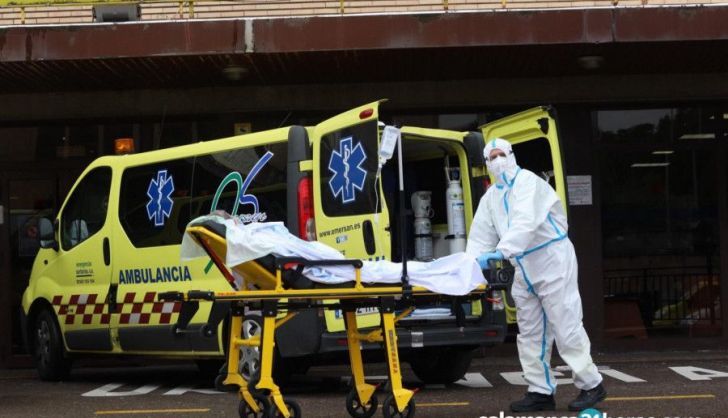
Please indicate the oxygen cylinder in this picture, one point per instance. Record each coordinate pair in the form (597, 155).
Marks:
(423, 239)
(455, 213)
(422, 208)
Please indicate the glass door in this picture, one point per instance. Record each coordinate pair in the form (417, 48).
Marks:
(25, 199)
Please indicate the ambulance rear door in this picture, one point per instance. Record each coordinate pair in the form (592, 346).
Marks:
(350, 214)
(535, 139)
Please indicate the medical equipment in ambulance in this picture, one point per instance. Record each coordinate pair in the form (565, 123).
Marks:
(422, 208)
(455, 209)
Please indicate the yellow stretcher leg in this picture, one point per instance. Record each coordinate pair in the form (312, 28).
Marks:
(267, 345)
(364, 390)
(233, 362)
(402, 396)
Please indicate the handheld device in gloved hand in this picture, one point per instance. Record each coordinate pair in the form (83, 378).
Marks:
(499, 278)
(484, 258)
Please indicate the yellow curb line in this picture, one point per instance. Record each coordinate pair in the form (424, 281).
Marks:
(654, 398)
(436, 404)
(152, 411)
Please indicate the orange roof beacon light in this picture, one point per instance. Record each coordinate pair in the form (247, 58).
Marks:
(123, 146)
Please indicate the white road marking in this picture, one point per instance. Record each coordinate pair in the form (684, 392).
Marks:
(608, 371)
(474, 380)
(517, 379)
(697, 373)
(181, 390)
(108, 390)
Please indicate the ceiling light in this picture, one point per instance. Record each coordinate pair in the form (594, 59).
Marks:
(697, 136)
(590, 62)
(234, 72)
(649, 165)
(663, 152)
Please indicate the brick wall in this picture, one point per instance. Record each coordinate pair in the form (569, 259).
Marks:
(161, 10)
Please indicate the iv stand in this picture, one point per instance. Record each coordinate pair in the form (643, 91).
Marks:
(406, 288)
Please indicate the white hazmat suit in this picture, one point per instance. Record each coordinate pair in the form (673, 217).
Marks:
(523, 218)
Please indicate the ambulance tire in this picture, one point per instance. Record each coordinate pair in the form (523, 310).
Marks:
(220, 387)
(389, 408)
(49, 351)
(209, 367)
(441, 365)
(283, 368)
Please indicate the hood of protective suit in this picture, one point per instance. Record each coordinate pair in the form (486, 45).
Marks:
(503, 171)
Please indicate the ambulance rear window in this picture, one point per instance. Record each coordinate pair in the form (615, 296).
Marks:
(348, 167)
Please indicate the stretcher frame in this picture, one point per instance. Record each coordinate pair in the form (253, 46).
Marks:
(261, 397)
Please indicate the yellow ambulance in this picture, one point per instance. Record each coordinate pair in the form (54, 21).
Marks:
(115, 244)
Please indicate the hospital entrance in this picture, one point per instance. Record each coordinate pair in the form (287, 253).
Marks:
(663, 210)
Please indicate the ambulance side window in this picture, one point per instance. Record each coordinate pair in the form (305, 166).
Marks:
(262, 169)
(535, 155)
(348, 167)
(155, 204)
(85, 213)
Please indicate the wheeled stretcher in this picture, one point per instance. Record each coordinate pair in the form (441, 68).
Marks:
(277, 285)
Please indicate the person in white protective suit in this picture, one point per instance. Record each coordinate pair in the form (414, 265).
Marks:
(522, 220)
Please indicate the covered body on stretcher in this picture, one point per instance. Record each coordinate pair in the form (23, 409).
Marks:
(265, 264)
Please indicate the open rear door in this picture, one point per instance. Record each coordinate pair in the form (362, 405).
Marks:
(535, 140)
(349, 207)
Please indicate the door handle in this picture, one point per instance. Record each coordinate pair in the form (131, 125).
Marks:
(368, 232)
(107, 252)
(112, 297)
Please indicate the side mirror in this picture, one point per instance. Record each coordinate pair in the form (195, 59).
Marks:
(47, 234)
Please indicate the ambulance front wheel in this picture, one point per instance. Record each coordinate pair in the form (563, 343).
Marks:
(358, 410)
(50, 354)
(246, 411)
(390, 410)
(220, 386)
(441, 365)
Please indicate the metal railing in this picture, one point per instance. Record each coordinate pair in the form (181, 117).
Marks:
(669, 296)
(18, 12)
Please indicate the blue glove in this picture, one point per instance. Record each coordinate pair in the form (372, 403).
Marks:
(484, 258)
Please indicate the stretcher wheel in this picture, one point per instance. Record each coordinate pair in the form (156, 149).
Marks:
(355, 407)
(389, 408)
(263, 403)
(294, 409)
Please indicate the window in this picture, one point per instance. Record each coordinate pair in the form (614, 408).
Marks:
(153, 214)
(85, 212)
(262, 171)
(536, 156)
(355, 193)
(661, 239)
(639, 126)
(155, 200)
(660, 126)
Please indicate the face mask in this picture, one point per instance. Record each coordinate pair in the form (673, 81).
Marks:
(498, 166)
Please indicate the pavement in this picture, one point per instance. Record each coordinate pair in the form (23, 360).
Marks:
(646, 384)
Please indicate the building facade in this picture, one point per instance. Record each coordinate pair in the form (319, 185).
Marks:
(640, 89)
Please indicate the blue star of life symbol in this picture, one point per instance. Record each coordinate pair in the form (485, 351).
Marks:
(160, 202)
(345, 165)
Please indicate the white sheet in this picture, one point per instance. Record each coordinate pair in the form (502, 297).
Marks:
(456, 274)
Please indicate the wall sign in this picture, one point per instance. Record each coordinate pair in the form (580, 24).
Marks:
(580, 190)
